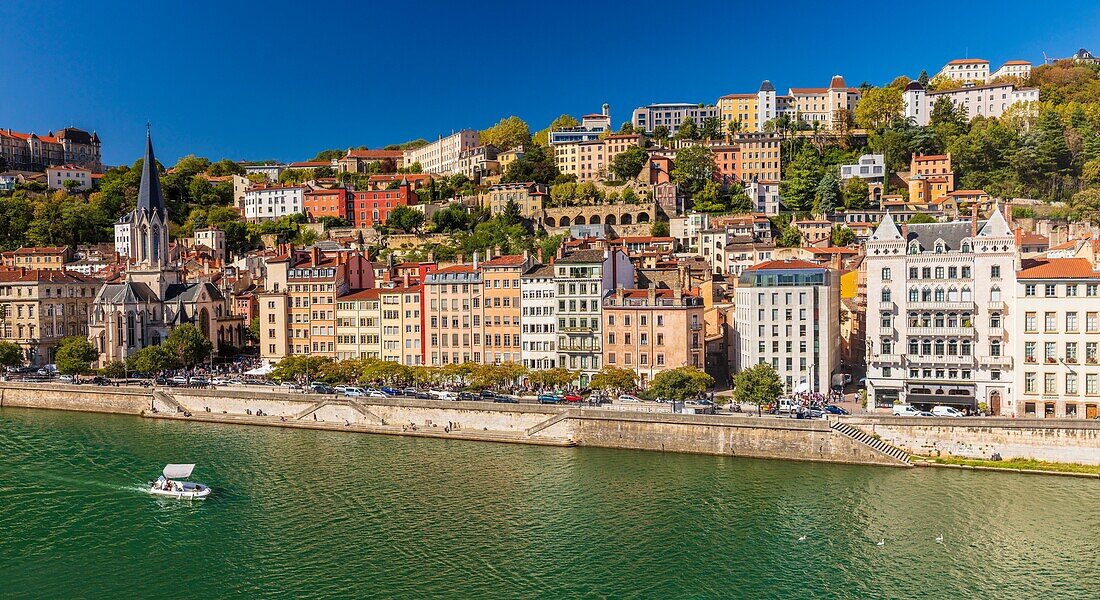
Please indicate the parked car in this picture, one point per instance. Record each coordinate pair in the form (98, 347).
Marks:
(487, 394)
(410, 392)
(505, 399)
(66, 379)
(925, 413)
(549, 399)
(178, 380)
(422, 396)
(904, 410)
(390, 391)
(200, 381)
(629, 398)
(833, 409)
(443, 395)
(377, 394)
(290, 385)
(321, 388)
(466, 397)
(787, 405)
(354, 392)
(340, 388)
(571, 397)
(946, 411)
(97, 380)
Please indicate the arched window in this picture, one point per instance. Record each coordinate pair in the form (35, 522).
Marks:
(155, 254)
(926, 320)
(914, 319)
(952, 295)
(965, 348)
(995, 348)
(967, 295)
(914, 295)
(995, 294)
(926, 347)
(913, 347)
(914, 247)
(940, 247)
(966, 247)
(939, 319)
(926, 295)
(939, 295)
(953, 347)
(885, 294)
(939, 347)
(952, 320)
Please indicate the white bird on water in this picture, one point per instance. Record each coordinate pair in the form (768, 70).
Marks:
(881, 542)
(802, 539)
(939, 539)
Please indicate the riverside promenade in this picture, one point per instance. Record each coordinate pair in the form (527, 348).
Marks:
(883, 441)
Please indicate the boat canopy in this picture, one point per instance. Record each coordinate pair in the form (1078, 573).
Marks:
(178, 471)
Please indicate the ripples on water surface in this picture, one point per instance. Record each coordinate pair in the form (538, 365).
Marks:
(303, 514)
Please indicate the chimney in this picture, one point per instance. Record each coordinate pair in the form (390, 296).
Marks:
(475, 259)
(314, 255)
(1018, 233)
(974, 220)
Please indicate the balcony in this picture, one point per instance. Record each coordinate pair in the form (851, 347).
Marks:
(585, 329)
(946, 359)
(886, 358)
(968, 305)
(997, 305)
(887, 305)
(996, 361)
(579, 348)
(955, 332)
(696, 326)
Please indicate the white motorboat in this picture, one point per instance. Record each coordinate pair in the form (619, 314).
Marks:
(168, 485)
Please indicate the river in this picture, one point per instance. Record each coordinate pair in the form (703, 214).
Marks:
(314, 514)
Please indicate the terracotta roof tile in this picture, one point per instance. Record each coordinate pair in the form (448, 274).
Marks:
(1057, 268)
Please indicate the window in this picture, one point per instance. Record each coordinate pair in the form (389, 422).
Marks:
(995, 271)
(1071, 383)
(1091, 383)
(1050, 290)
(886, 273)
(1030, 325)
(885, 294)
(1050, 322)
(1090, 289)
(1091, 324)
(1071, 321)
(1050, 383)
(1071, 352)
(1029, 289)
(1029, 383)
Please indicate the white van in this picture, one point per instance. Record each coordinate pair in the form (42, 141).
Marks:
(946, 411)
(904, 410)
(443, 395)
(787, 405)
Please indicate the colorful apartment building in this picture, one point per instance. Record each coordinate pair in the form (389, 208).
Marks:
(930, 177)
(384, 323)
(40, 257)
(501, 277)
(650, 330)
(454, 324)
(372, 207)
(319, 203)
(40, 307)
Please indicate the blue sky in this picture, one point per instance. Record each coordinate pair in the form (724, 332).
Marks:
(285, 79)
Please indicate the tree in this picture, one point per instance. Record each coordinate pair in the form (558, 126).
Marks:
(856, 193)
(923, 78)
(680, 384)
(709, 199)
(188, 345)
(11, 355)
(114, 369)
(542, 137)
(75, 355)
(405, 219)
(842, 236)
(758, 385)
(734, 127)
(328, 155)
(626, 128)
(627, 164)
(299, 368)
(71, 185)
(536, 165)
(660, 228)
(828, 193)
(1086, 204)
(151, 360)
(688, 129)
(551, 379)
(507, 133)
(739, 200)
(693, 168)
(879, 107)
(790, 238)
(712, 128)
(225, 167)
(614, 380)
(920, 218)
(800, 180)
(661, 133)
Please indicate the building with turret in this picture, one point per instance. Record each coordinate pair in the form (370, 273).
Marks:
(32, 152)
(939, 297)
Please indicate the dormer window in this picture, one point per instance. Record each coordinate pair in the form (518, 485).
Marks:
(966, 247)
(940, 247)
(914, 248)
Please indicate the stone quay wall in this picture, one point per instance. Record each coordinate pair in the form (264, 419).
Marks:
(1054, 440)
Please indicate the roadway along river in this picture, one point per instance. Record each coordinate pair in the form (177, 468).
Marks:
(311, 514)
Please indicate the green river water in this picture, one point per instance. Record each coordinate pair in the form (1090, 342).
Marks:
(312, 514)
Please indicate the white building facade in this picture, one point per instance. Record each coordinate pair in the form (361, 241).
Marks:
(671, 115)
(442, 156)
(939, 299)
(267, 203)
(539, 318)
(56, 177)
(977, 101)
(788, 316)
(1056, 338)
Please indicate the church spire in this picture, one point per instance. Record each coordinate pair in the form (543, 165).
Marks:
(150, 198)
